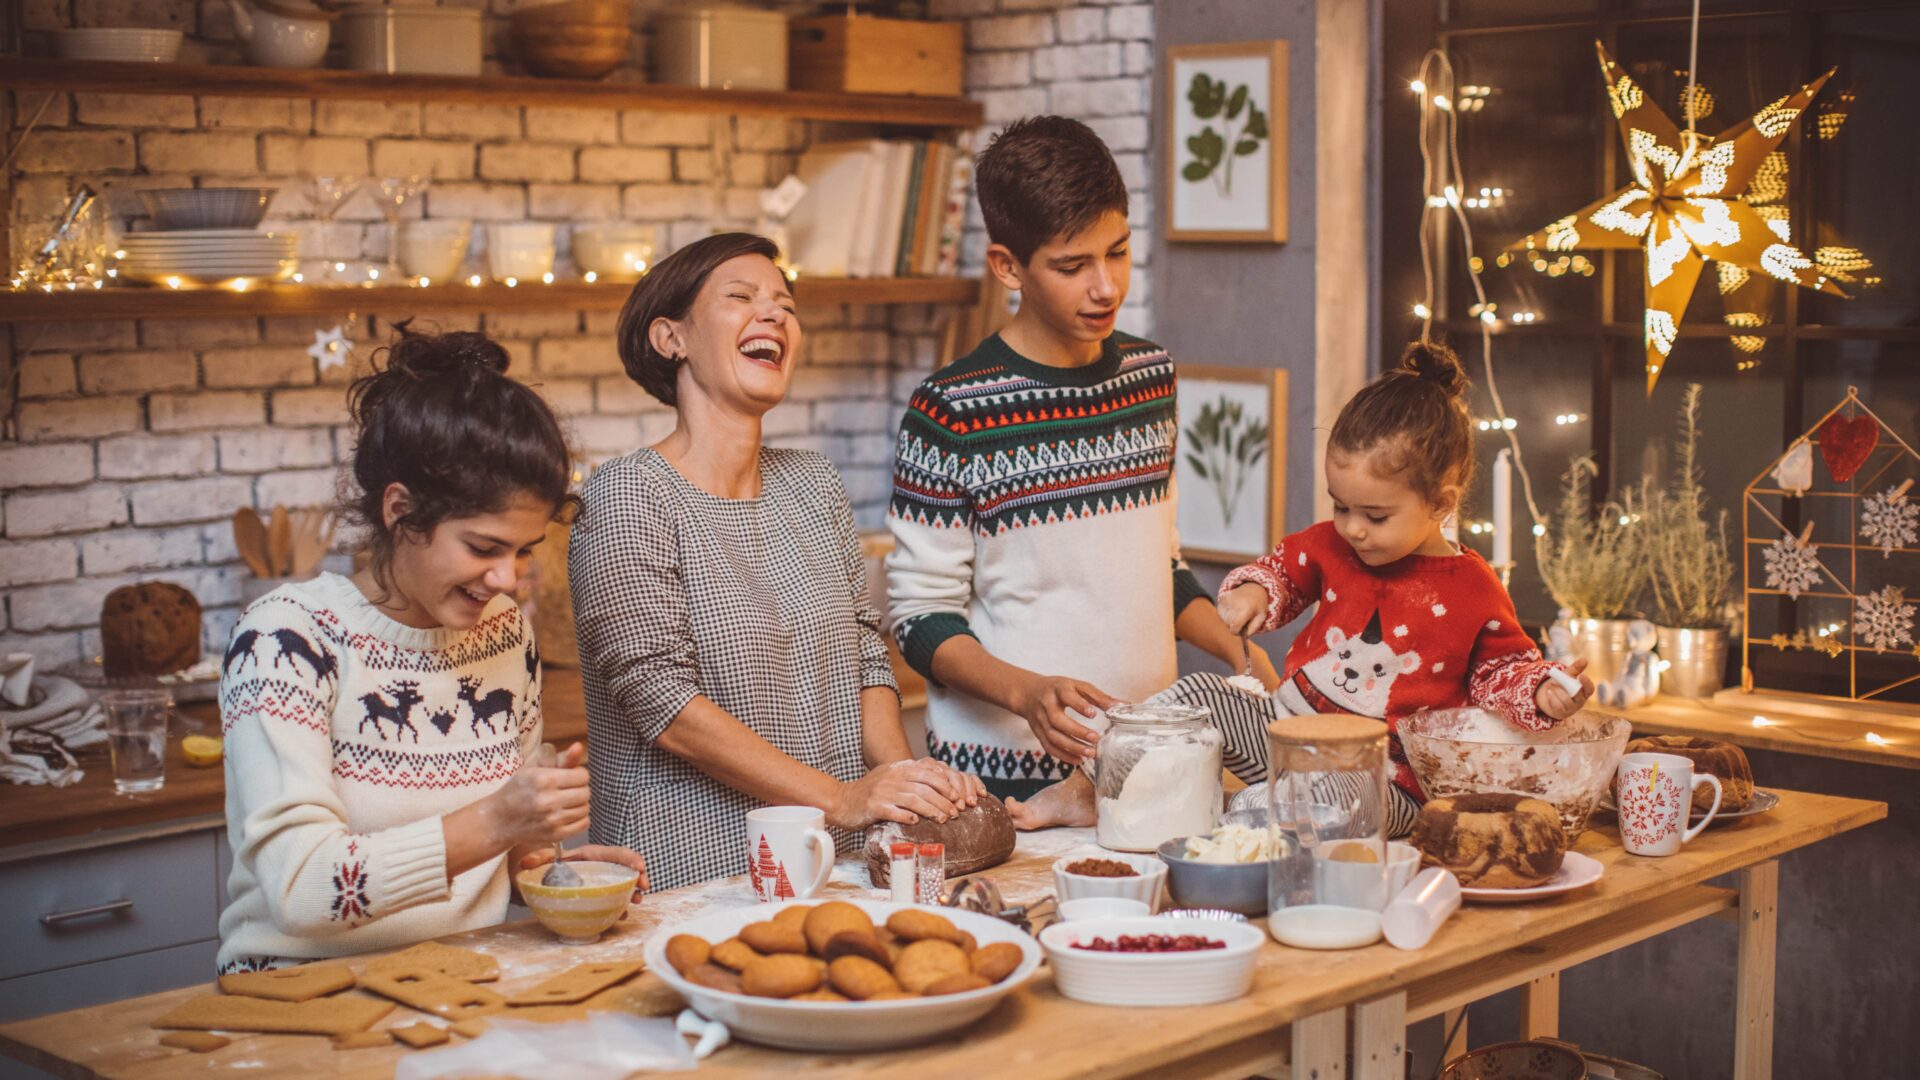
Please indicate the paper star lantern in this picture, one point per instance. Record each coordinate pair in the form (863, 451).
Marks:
(330, 348)
(1684, 206)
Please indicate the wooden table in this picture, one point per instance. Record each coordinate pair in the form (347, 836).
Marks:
(1295, 1017)
(1758, 722)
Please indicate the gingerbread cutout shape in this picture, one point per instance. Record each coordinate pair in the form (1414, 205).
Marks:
(450, 960)
(576, 984)
(433, 992)
(322, 1016)
(303, 983)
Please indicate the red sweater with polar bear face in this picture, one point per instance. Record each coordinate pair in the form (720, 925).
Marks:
(1426, 632)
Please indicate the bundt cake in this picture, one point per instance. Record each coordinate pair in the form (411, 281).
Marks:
(1711, 756)
(1492, 840)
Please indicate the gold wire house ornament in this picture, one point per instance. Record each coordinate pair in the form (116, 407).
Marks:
(1880, 607)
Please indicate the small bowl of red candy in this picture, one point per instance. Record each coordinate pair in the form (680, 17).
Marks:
(1152, 960)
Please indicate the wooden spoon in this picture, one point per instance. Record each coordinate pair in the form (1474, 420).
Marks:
(312, 535)
(280, 542)
(250, 539)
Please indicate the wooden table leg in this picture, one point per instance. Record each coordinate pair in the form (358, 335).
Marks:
(1380, 1038)
(1320, 1046)
(1753, 976)
(1540, 1008)
(1458, 1044)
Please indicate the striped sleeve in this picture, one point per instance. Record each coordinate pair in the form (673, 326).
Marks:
(930, 572)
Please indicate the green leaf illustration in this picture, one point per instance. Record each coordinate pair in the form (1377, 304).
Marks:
(1237, 102)
(1206, 95)
(1212, 149)
(1224, 449)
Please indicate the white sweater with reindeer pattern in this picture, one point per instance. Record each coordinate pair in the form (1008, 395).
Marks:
(348, 736)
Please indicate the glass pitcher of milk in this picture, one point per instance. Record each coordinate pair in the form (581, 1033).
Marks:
(1327, 798)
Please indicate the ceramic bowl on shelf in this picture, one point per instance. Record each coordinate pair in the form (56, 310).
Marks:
(434, 248)
(579, 914)
(126, 45)
(1463, 751)
(614, 251)
(176, 209)
(522, 251)
(1198, 977)
(575, 39)
(1143, 884)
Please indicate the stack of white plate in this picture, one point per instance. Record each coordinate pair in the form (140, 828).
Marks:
(127, 45)
(207, 256)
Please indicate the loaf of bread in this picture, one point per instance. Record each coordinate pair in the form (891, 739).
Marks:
(978, 838)
(1711, 756)
(1492, 840)
(152, 628)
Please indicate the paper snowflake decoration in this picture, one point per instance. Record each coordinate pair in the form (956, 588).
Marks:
(330, 348)
(1889, 522)
(1792, 567)
(1884, 619)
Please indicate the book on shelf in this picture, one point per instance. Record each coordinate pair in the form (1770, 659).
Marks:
(881, 208)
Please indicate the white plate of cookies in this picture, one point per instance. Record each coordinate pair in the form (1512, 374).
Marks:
(843, 975)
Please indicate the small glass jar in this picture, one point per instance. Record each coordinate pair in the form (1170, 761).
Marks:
(1327, 799)
(1157, 775)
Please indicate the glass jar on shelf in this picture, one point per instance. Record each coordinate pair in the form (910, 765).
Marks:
(1327, 800)
(1156, 775)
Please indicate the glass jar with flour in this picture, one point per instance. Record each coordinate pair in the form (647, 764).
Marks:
(1157, 775)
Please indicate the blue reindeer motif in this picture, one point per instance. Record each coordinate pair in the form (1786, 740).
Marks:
(406, 694)
(240, 650)
(294, 647)
(485, 708)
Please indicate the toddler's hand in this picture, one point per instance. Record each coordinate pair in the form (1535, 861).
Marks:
(1553, 699)
(1245, 608)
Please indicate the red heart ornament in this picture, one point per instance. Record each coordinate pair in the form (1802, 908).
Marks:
(1845, 444)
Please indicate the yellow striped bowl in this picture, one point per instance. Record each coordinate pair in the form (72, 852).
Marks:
(580, 914)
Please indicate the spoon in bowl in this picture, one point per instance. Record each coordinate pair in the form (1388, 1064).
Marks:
(559, 875)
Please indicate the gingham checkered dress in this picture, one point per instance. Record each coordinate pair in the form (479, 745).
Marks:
(757, 604)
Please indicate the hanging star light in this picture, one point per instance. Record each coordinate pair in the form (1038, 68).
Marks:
(330, 347)
(1684, 206)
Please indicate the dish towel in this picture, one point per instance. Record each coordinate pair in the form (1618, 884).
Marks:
(37, 741)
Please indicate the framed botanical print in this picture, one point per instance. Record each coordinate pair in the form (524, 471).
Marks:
(1231, 471)
(1226, 112)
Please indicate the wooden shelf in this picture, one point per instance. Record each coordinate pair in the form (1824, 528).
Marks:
(232, 80)
(138, 302)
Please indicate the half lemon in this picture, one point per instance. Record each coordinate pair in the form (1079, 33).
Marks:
(202, 750)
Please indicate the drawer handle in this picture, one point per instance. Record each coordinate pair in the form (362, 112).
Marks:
(113, 907)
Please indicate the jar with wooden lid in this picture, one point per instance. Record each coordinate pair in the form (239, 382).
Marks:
(1327, 799)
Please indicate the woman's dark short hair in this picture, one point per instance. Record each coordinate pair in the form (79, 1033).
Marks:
(668, 292)
(441, 416)
(1042, 178)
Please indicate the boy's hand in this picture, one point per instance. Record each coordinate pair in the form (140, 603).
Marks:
(1553, 699)
(1245, 608)
(1049, 702)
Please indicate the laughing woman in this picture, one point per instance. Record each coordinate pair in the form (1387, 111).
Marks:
(730, 655)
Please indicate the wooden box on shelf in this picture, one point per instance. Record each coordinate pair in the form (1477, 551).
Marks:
(860, 54)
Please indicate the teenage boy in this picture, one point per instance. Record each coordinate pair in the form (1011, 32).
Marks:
(1036, 576)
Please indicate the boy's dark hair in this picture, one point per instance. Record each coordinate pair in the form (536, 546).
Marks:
(1045, 177)
(668, 292)
(441, 417)
(1417, 414)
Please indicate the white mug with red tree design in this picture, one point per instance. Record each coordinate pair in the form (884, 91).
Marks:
(789, 853)
(1654, 793)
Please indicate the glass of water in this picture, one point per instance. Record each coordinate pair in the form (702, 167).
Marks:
(137, 735)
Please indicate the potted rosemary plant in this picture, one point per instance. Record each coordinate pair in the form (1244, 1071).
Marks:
(1594, 565)
(1689, 569)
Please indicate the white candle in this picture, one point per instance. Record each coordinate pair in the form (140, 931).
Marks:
(1502, 509)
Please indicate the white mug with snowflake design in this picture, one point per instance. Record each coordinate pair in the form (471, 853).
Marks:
(1654, 793)
(789, 852)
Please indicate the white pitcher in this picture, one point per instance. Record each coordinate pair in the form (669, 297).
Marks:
(282, 33)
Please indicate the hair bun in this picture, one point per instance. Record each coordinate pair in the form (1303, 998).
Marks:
(425, 356)
(1434, 362)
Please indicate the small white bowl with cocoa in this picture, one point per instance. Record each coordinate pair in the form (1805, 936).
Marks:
(1110, 874)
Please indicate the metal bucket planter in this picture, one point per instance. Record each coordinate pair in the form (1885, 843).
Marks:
(1696, 661)
(1603, 644)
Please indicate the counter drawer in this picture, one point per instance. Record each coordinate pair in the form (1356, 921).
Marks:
(106, 981)
(63, 910)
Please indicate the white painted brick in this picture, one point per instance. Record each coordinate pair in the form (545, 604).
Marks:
(867, 485)
(307, 408)
(1100, 97)
(827, 383)
(1080, 24)
(666, 202)
(751, 171)
(997, 70)
(175, 502)
(120, 373)
(578, 126)
(258, 366)
(47, 375)
(83, 418)
(846, 346)
(275, 448)
(625, 164)
(853, 417)
(471, 121)
(1010, 32)
(33, 562)
(566, 397)
(617, 394)
(482, 202)
(198, 333)
(578, 356)
(200, 152)
(769, 133)
(94, 335)
(216, 409)
(604, 434)
(574, 202)
(1003, 106)
(52, 514)
(526, 161)
(306, 156)
(692, 165)
(140, 457)
(787, 418)
(530, 324)
(1134, 170)
(423, 157)
(645, 128)
(65, 606)
(1139, 58)
(1079, 62)
(365, 118)
(1122, 133)
(76, 152)
(49, 650)
(258, 114)
(305, 487)
(1134, 22)
(125, 550)
(134, 110)
(874, 449)
(50, 465)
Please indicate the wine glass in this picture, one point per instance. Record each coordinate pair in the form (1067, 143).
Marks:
(394, 192)
(329, 194)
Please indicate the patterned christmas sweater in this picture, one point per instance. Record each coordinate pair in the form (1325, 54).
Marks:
(1033, 509)
(348, 736)
(1426, 632)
